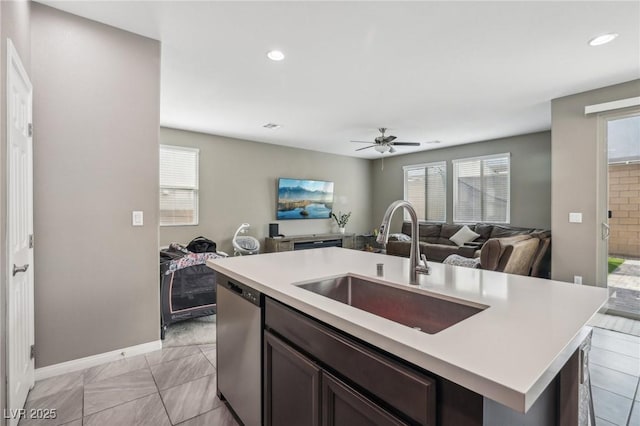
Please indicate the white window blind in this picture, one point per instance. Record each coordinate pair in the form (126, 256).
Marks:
(425, 187)
(481, 189)
(178, 185)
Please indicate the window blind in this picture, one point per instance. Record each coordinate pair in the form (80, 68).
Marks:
(425, 187)
(481, 189)
(178, 185)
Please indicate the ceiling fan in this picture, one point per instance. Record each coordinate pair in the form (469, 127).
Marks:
(384, 143)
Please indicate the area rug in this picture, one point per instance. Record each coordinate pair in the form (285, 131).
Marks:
(197, 331)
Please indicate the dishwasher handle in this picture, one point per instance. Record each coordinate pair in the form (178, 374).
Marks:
(234, 287)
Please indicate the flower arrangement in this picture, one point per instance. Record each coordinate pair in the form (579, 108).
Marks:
(341, 219)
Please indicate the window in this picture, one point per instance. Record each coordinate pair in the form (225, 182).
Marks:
(425, 187)
(178, 185)
(481, 189)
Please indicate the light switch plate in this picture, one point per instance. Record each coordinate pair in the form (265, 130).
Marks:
(575, 217)
(137, 218)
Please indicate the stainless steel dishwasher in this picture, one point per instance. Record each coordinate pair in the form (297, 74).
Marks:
(239, 325)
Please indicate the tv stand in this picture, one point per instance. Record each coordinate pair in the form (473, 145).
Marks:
(304, 242)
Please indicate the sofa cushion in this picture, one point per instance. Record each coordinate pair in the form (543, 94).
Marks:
(483, 230)
(398, 248)
(403, 248)
(541, 233)
(463, 236)
(521, 257)
(499, 231)
(445, 242)
(425, 230)
(430, 229)
(490, 254)
(406, 228)
(447, 231)
(542, 260)
(439, 252)
(494, 249)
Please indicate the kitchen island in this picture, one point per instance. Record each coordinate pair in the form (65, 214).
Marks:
(509, 353)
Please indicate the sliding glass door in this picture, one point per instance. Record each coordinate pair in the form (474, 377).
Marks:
(621, 227)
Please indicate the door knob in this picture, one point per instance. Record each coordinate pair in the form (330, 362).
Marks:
(18, 269)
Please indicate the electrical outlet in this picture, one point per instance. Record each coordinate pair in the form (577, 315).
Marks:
(577, 279)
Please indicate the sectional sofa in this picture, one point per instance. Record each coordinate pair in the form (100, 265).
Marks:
(523, 251)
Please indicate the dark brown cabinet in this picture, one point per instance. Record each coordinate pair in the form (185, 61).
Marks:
(292, 385)
(343, 406)
(317, 375)
(298, 392)
(359, 385)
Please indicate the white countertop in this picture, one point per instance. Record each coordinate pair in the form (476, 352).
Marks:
(509, 352)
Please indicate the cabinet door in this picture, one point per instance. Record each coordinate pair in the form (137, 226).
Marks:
(292, 386)
(344, 406)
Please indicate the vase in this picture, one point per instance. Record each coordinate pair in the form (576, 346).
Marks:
(341, 229)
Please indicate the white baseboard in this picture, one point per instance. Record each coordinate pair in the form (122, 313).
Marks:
(93, 360)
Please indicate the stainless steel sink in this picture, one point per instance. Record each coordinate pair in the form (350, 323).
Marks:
(417, 310)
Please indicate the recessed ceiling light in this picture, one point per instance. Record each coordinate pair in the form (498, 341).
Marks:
(275, 55)
(271, 126)
(603, 39)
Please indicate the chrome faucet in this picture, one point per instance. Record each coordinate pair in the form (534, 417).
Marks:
(415, 267)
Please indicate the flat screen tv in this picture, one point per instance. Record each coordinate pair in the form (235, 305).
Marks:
(304, 199)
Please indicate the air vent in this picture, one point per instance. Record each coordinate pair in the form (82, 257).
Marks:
(271, 126)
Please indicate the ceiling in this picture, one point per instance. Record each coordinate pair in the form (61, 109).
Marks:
(457, 72)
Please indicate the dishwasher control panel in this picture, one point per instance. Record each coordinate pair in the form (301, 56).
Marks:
(243, 291)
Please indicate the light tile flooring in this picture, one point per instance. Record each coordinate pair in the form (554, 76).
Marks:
(177, 385)
(615, 377)
(174, 386)
(616, 323)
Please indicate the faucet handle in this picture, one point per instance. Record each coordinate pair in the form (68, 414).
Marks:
(424, 268)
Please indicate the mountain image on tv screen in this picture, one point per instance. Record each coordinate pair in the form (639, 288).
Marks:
(304, 199)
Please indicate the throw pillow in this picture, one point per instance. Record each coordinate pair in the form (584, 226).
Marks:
(464, 235)
(457, 260)
(399, 237)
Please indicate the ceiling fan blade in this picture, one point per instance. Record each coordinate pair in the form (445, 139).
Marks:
(389, 138)
(405, 143)
(361, 141)
(366, 147)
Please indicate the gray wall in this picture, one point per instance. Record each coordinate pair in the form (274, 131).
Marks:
(576, 159)
(14, 24)
(530, 177)
(238, 181)
(96, 120)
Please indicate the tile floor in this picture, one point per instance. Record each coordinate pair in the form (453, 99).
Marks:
(615, 377)
(177, 386)
(174, 386)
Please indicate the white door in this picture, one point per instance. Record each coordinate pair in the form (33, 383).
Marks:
(20, 328)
